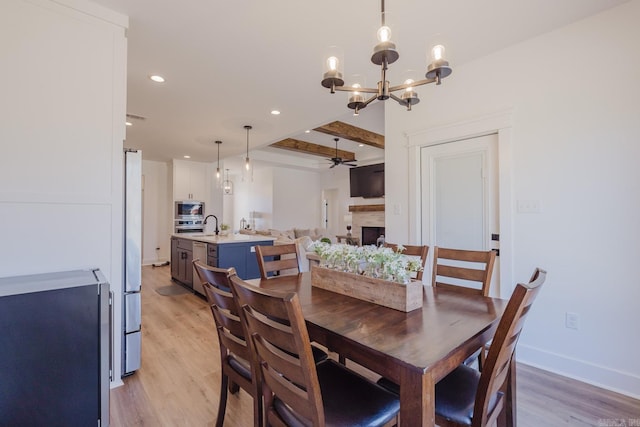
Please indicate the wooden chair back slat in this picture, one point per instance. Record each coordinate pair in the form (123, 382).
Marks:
(412, 250)
(217, 277)
(277, 258)
(445, 275)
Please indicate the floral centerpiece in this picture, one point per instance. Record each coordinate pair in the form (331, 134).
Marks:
(371, 261)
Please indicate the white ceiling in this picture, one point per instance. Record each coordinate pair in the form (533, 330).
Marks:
(229, 63)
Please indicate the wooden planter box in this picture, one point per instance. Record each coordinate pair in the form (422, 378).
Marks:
(382, 292)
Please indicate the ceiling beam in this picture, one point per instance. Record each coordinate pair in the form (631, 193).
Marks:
(313, 149)
(353, 133)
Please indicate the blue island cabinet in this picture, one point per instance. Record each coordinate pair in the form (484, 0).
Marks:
(240, 255)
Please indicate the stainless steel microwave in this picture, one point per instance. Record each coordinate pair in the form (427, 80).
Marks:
(189, 209)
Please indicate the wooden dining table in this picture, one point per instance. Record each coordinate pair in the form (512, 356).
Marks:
(415, 349)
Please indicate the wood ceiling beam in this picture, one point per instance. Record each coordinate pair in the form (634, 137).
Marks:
(353, 133)
(313, 149)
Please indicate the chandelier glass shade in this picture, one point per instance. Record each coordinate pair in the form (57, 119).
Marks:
(218, 175)
(384, 53)
(227, 184)
(247, 173)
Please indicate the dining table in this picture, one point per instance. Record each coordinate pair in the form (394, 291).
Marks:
(414, 349)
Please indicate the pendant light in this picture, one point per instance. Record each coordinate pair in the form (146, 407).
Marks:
(247, 174)
(227, 185)
(218, 180)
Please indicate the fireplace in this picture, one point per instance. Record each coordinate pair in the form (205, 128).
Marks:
(371, 234)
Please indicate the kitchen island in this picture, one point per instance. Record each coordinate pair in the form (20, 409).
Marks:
(234, 250)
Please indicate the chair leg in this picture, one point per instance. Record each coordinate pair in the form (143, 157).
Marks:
(233, 387)
(481, 358)
(222, 406)
(257, 411)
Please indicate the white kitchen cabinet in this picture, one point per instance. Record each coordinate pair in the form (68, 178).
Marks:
(191, 180)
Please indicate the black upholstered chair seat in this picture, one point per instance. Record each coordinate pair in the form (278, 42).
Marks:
(240, 365)
(456, 395)
(348, 399)
(389, 385)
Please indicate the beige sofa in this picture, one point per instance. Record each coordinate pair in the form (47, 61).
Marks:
(303, 238)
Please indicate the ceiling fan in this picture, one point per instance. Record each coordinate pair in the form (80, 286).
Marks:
(339, 160)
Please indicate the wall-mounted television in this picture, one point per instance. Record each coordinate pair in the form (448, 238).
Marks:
(367, 181)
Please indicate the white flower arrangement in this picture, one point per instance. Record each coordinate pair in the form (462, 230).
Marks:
(377, 262)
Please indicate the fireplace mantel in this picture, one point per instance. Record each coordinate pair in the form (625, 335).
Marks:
(366, 208)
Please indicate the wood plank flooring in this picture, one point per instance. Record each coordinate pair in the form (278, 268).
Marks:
(178, 383)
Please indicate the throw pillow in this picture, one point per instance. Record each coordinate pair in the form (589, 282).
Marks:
(305, 242)
(274, 232)
(298, 232)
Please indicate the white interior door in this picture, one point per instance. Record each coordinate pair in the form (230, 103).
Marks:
(330, 210)
(460, 197)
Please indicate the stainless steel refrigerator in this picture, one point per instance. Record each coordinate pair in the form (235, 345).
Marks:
(131, 338)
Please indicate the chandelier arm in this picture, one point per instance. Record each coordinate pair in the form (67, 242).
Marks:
(356, 89)
(368, 101)
(414, 84)
(399, 100)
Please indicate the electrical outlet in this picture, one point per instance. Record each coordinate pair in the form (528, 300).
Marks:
(572, 320)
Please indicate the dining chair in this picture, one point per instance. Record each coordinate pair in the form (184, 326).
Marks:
(464, 271)
(467, 397)
(410, 250)
(276, 259)
(296, 391)
(460, 270)
(235, 355)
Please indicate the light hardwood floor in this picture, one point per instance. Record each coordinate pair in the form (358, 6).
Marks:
(178, 383)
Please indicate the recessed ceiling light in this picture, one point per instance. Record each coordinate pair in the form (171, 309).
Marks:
(187, 157)
(360, 145)
(128, 123)
(275, 112)
(307, 131)
(157, 79)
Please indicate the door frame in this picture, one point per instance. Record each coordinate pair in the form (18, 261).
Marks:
(499, 123)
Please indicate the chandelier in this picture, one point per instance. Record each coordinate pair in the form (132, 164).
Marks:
(384, 53)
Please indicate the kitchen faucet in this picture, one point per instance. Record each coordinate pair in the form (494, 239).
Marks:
(205, 223)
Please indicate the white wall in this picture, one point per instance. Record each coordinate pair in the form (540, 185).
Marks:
(63, 75)
(253, 196)
(157, 215)
(574, 96)
(296, 199)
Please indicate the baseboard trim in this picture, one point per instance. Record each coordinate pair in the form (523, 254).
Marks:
(587, 372)
(116, 383)
(154, 261)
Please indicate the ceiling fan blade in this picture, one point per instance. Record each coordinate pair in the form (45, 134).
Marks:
(332, 166)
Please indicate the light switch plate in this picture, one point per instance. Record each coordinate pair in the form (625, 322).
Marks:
(528, 206)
